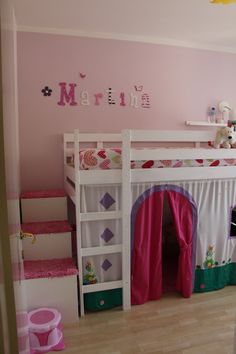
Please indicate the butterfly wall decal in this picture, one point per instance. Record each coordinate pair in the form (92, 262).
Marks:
(138, 87)
(83, 76)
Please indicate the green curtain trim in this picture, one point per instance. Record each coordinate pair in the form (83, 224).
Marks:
(215, 278)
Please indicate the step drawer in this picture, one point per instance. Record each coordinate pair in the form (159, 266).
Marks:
(43, 209)
(48, 246)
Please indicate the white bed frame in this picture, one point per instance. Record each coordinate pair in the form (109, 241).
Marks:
(126, 176)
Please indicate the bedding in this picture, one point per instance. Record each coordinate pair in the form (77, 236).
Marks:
(110, 158)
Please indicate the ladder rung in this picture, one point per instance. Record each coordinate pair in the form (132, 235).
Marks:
(93, 251)
(102, 286)
(103, 215)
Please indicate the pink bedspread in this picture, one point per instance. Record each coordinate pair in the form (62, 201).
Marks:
(110, 158)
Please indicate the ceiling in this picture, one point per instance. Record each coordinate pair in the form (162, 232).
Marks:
(189, 23)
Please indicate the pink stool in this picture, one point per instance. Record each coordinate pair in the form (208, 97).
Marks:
(45, 330)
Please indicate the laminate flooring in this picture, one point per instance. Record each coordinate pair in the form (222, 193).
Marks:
(202, 324)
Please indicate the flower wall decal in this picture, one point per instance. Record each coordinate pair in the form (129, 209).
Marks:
(46, 91)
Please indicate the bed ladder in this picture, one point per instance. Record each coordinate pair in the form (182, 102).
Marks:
(123, 248)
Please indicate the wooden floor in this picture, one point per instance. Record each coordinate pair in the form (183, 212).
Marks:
(203, 324)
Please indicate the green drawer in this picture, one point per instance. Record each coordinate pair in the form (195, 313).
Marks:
(103, 300)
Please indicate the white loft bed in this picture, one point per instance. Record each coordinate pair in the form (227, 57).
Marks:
(74, 178)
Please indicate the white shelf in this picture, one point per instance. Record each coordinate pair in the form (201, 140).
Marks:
(102, 286)
(204, 124)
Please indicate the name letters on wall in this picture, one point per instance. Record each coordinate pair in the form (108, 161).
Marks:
(71, 95)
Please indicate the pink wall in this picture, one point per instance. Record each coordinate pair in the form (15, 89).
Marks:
(181, 83)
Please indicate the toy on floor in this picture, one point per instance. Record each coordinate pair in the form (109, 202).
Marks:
(45, 330)
(225, 136)
(90, 277)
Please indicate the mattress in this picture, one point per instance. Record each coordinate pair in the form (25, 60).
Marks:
(110, 158)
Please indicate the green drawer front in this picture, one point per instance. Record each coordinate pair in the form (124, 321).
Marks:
(103, 300)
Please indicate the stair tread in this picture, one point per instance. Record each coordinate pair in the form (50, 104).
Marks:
(47, 227)
(51, 268)
(51, 193)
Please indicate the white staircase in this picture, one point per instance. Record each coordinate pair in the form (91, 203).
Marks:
(50, 271)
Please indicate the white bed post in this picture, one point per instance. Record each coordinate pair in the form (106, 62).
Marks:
(126, 210)
(78, 219)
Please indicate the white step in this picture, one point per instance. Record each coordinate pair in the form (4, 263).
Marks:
(44, 246)
(52, 240)
(51, 285)
(43, 206)
(59, 293)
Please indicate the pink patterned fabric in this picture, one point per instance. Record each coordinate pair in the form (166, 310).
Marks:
(49, 268)
(110, 158)
(47, 227)
(43, 194)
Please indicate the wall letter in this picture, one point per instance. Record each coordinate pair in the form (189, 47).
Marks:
(133, 100)
(145, 100)
(98, 97)
(84, 98)
(122, 99)
(68, 97)
(110, 100)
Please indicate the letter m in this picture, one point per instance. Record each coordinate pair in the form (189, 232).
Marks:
(68, 97)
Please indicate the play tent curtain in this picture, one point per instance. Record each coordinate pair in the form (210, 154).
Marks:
(213, 250)
(147, 246)
(182, 212)
(146, 272)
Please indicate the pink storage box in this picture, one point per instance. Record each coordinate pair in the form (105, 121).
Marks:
(45, 330)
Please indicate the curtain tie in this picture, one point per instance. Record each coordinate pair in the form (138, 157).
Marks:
(186, 247)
